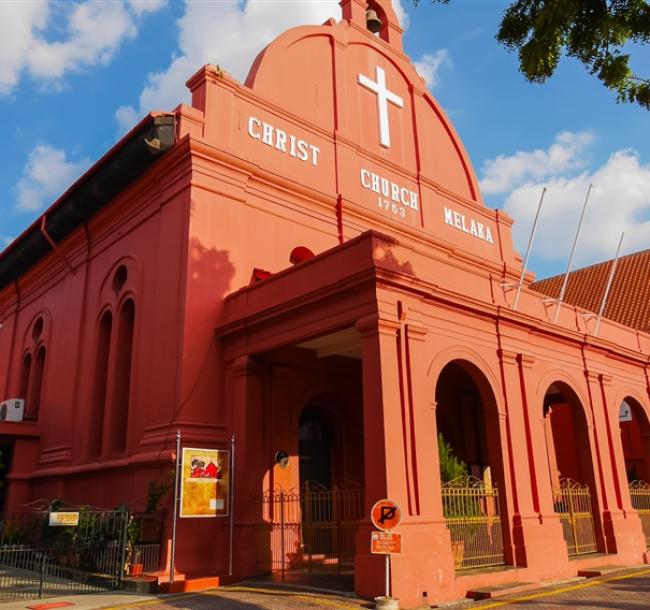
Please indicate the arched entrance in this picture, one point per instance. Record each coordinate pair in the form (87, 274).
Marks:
(315, 446)
(570, 467)
(470, 465)
(635, 439)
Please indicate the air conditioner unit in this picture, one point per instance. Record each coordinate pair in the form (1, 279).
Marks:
(12, 409)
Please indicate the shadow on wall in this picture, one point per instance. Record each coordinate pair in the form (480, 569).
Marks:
(385, 258)
(211, 271)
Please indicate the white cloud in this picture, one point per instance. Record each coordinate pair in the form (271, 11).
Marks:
(5, 241)
(19, 21)
(502, 174)
(428, 66)
(229, 33)
(140, 7)
(619, 200)
(93, 32)
(46, 175)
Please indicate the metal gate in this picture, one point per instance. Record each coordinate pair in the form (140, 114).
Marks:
(572, 503)
(640, 496)
(313, 529)
(41, 560)
(471, 511)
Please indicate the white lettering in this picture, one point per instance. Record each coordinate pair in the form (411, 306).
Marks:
(267, 134)
(314, 154)
(302, 150)
(402, 197)
(458, 221)
(253, 121)
(280, 140)
(375, 182)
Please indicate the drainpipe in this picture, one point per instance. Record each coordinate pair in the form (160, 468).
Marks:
(53, 245)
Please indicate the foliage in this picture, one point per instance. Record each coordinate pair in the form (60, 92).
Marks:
(598, 33)
(158, 490)
(450, 466)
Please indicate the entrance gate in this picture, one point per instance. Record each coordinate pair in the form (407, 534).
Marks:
(640, 496)
(471, 511)
(38, 560)
(572, 502)
(311, 530)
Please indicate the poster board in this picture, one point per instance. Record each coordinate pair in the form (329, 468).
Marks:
(205, 483)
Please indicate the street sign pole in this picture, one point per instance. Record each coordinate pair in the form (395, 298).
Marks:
(386, 515)
(176, 501)
(387, 574)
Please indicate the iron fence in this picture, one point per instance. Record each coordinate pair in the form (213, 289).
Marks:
(572, 503)
(312, 529)
(41, 560)
(640, 496)
(471, 511)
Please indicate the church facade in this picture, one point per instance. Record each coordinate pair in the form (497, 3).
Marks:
(304, 262)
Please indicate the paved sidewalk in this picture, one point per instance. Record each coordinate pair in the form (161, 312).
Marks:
(628, 590)
(625, 590)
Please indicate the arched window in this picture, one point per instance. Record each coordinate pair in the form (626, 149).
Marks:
(30, 382)
(122, 378)
(96, 424)
(24, 376)
(33, 403)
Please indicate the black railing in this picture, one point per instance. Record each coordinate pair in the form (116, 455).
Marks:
(42, 560)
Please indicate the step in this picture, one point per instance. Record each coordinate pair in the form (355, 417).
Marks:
(509, 588)
(602, 571)
(190, 584)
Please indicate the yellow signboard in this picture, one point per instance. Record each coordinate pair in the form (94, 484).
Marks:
(65, 518)
(205, 483)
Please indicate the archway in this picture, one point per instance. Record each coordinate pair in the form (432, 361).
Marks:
(315, 447)
(471, 466)
(635, 439)
(570, 467)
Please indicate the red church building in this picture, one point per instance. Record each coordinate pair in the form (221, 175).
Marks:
(305, 261)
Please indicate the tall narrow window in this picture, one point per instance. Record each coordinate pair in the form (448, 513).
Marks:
(33, 403)
(96, 424)
(122, 380)
(24, 377)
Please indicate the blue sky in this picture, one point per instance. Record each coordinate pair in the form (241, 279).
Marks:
(75, 75)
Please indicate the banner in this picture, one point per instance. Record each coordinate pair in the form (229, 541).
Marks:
(205, 483)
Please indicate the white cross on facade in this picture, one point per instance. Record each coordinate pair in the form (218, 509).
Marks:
(383, 97)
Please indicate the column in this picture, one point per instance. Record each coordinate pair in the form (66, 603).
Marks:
(536, 534)
(246, 422)
(401, 464)
(622, 529)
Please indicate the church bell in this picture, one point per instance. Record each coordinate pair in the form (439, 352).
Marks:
(373, 23)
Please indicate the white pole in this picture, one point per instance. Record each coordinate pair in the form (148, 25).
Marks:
(609, 285)
(573, 251)
(387, 575)
(176, 490)
(232, 500)
(528, 249)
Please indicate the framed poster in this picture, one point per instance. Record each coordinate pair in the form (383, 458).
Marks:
(205, 483)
